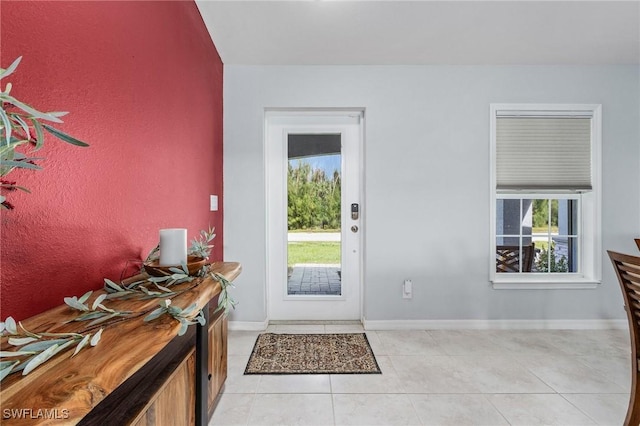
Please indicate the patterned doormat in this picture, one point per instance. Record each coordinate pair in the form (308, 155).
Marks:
(348, 353)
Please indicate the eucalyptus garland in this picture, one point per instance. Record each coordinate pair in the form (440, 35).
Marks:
(37, 348)
(34, 349)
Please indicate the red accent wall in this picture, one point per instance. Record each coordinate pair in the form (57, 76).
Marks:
(143, 83)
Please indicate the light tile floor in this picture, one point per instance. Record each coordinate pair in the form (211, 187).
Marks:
(442, 377)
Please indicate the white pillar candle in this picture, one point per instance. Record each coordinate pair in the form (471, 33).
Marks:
(173, 246)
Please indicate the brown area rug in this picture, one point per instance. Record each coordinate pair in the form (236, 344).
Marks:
(347, 353)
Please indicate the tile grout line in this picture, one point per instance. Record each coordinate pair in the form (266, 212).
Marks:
(579, 409)
(486, 397)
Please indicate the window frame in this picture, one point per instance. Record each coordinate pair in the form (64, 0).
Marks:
(589, 274)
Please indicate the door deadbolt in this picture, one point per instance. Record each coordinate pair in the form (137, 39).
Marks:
(354, 228)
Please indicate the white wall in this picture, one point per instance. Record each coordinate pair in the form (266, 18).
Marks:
(427, 174)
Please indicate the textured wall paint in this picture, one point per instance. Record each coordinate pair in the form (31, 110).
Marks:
(426, 204)
(143, 84)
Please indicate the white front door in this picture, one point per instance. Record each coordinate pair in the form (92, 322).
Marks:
(327, 288)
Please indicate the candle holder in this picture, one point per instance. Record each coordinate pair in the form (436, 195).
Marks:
(194, 264)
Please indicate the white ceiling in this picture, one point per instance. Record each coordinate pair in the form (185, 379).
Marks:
(423, 32)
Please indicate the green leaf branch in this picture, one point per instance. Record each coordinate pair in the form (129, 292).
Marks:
(21, 125)
(200, 246)
(186, 317)
(225, 301)
(150, 287)
(98, 313)
(34, 349)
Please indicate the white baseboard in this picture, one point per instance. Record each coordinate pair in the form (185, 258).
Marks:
(248, 325)
(497, 324)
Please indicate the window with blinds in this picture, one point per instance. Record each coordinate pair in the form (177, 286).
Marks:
(545, 195)
(543, 153)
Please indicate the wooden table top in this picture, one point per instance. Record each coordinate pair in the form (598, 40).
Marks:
(70, 387)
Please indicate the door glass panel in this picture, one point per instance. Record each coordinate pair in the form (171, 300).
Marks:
(314, 215)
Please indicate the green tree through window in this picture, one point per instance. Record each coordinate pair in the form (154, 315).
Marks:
(313, 198)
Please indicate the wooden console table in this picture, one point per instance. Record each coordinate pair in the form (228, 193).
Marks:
(141, 373)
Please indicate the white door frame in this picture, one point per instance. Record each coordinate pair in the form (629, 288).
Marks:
(279, 123)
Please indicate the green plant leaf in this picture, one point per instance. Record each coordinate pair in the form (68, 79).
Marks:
(63, 136)
(57, 113)
(104, 308)
(174, 311)
(19, 341)
(42, 345)
(8, 71)
(200, 318)
(6, 150)
(85, 297)
(82, 344)
(7, 370)
(39, 134)
(113, 285)
(106, 317)
(148, 292)
(21, 366)
(119, 294)
(156, 313)
(189, 309)
(23, 124)
(179, 276)
(9, 354)
(98, 300)
(5, 364)
(44, 356)
(158, 279)
(96, 337)
(28, 109)
(75, 303)
(20, 164)
(10, 325)
(7, 124)
(88, 315)
(184, 326)
(165, 289)
(133, 285)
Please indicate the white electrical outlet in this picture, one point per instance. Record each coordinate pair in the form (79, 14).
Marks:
(213, 203)
(407, 289)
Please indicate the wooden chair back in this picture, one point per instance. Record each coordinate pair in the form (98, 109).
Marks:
(628, 271)
(508, 258)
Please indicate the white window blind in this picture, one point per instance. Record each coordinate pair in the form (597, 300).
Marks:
(545, 152)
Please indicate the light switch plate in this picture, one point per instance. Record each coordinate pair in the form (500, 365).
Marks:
(213, 203)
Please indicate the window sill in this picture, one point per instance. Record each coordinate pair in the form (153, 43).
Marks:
(578, 284)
